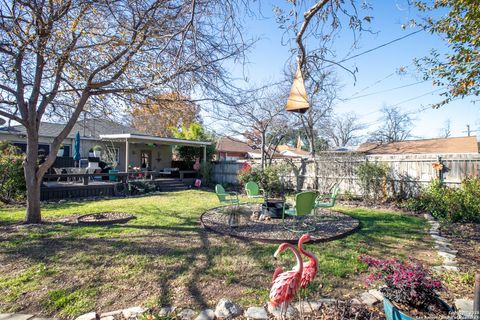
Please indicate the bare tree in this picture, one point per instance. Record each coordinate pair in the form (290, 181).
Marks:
(343, 130)
(55, 56)
(395, 125)
(445, 132)
(261, 118)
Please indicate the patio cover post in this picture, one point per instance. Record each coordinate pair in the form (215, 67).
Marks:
(204, 154)
(126, 155)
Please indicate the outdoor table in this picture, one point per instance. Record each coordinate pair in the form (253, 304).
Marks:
(273, 207)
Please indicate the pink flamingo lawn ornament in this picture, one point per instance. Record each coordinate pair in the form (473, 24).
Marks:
(311, 267)
(286, 284)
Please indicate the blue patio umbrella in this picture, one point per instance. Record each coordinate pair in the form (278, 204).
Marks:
(76, 147)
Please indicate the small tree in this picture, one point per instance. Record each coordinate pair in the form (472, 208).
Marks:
(197, 133)
(372, 177)
(161, 115)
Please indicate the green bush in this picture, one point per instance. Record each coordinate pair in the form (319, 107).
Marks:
(372, 178)
(268, 179)
(450, 204)
(12, 180)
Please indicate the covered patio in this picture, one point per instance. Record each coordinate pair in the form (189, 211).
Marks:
(145, 151)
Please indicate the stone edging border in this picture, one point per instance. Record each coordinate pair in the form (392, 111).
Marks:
(102, 223)
(335, 237)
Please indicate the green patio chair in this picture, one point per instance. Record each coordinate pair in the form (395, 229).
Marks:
(330, 204)
(226, 197)
(253, 191)
(304, 204)
(229, 198)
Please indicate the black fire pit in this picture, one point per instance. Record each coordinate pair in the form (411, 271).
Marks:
(273, 208)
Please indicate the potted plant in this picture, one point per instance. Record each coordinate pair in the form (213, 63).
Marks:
(60, 151)
(97, 151)
(409, 289)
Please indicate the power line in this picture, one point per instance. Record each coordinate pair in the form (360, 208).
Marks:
(386, 90)
(380, 46)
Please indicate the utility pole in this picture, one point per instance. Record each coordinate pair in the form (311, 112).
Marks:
(469, 132)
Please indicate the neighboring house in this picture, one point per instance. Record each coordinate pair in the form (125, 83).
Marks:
(130, 146)
(229, 148)
(463, 145)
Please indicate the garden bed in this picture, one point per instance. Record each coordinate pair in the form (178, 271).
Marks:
(329, 225)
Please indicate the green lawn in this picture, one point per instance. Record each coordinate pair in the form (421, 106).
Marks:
(165, 258)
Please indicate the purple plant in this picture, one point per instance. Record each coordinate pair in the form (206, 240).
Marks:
(407, 283)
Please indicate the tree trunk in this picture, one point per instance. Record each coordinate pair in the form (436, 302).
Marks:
(263, 151)
(33, 183)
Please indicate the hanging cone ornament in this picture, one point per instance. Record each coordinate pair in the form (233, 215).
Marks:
(298, 100)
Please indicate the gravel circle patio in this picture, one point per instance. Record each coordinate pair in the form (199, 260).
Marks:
(329, 225)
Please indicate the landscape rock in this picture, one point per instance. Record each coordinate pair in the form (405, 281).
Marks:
(88, 316)
(186, 314)
(256, 313)
(15, 316)
(368, 299)
(133, 312)
(166, 311)
(290, 313)
(227, 309)
(376, 293)
(327, 300)
(107, 318)
(355, 301)
(114, 314)
(207, 314)
(464, 305)
(307, 306)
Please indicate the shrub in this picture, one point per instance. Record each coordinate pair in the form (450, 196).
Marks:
(450, 204)
(407, 283)
(12, 180)
(372, 177)
(206, 173)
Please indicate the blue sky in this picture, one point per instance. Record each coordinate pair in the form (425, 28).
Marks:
(267, 60)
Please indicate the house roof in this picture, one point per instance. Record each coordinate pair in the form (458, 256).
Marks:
(152, 139)
(427, 146)
(291, 151)
(228, 144)
(90, 129)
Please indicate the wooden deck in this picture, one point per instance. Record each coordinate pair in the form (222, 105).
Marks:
(57, 190)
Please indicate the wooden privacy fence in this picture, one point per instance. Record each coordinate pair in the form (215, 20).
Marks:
(406, 173)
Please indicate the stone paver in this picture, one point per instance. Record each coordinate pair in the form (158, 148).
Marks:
(88, 316)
